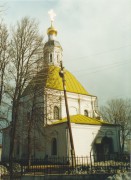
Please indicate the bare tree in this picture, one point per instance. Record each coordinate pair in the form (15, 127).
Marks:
(36, 108)
(4, 61)
(4, 57)
(118, 111)
(34, 115)
(25, 50)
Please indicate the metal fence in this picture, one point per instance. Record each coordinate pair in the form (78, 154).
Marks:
(110, 164)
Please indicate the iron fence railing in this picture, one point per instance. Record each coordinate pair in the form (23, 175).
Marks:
(62, 165)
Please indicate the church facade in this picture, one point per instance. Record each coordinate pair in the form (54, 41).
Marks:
(42, 125)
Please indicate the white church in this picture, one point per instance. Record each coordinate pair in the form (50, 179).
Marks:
(42, 125)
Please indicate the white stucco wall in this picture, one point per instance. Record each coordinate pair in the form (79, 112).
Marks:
(84, 137)
(77, 103)
(60, 133)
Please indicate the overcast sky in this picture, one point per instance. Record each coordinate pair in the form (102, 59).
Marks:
(95, 36)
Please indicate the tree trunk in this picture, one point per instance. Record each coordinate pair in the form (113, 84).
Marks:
(13, 136)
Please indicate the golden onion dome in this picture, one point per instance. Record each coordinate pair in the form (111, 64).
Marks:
(51, 30)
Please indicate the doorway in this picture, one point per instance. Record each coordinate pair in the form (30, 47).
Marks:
(104, 148)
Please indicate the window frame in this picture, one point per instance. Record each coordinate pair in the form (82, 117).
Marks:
(86, 113)
(56, 113)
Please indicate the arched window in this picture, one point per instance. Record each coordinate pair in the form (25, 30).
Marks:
(85, 112)
(54, 146)
(56, 112)
(50, 57)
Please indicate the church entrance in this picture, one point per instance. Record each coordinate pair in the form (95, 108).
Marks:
(103, 148)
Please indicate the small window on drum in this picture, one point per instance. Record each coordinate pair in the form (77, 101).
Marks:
(50, 57)
(56, 113)
(85, 112)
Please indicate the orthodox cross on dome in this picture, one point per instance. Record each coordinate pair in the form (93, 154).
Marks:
(52, 15)
(52, 32)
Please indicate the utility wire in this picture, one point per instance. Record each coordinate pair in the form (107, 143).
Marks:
(103, 52)
(104, 66)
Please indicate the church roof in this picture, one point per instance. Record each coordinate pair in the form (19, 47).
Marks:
(81, 119)
(54, 81)
(52, 43)
(49, 77)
